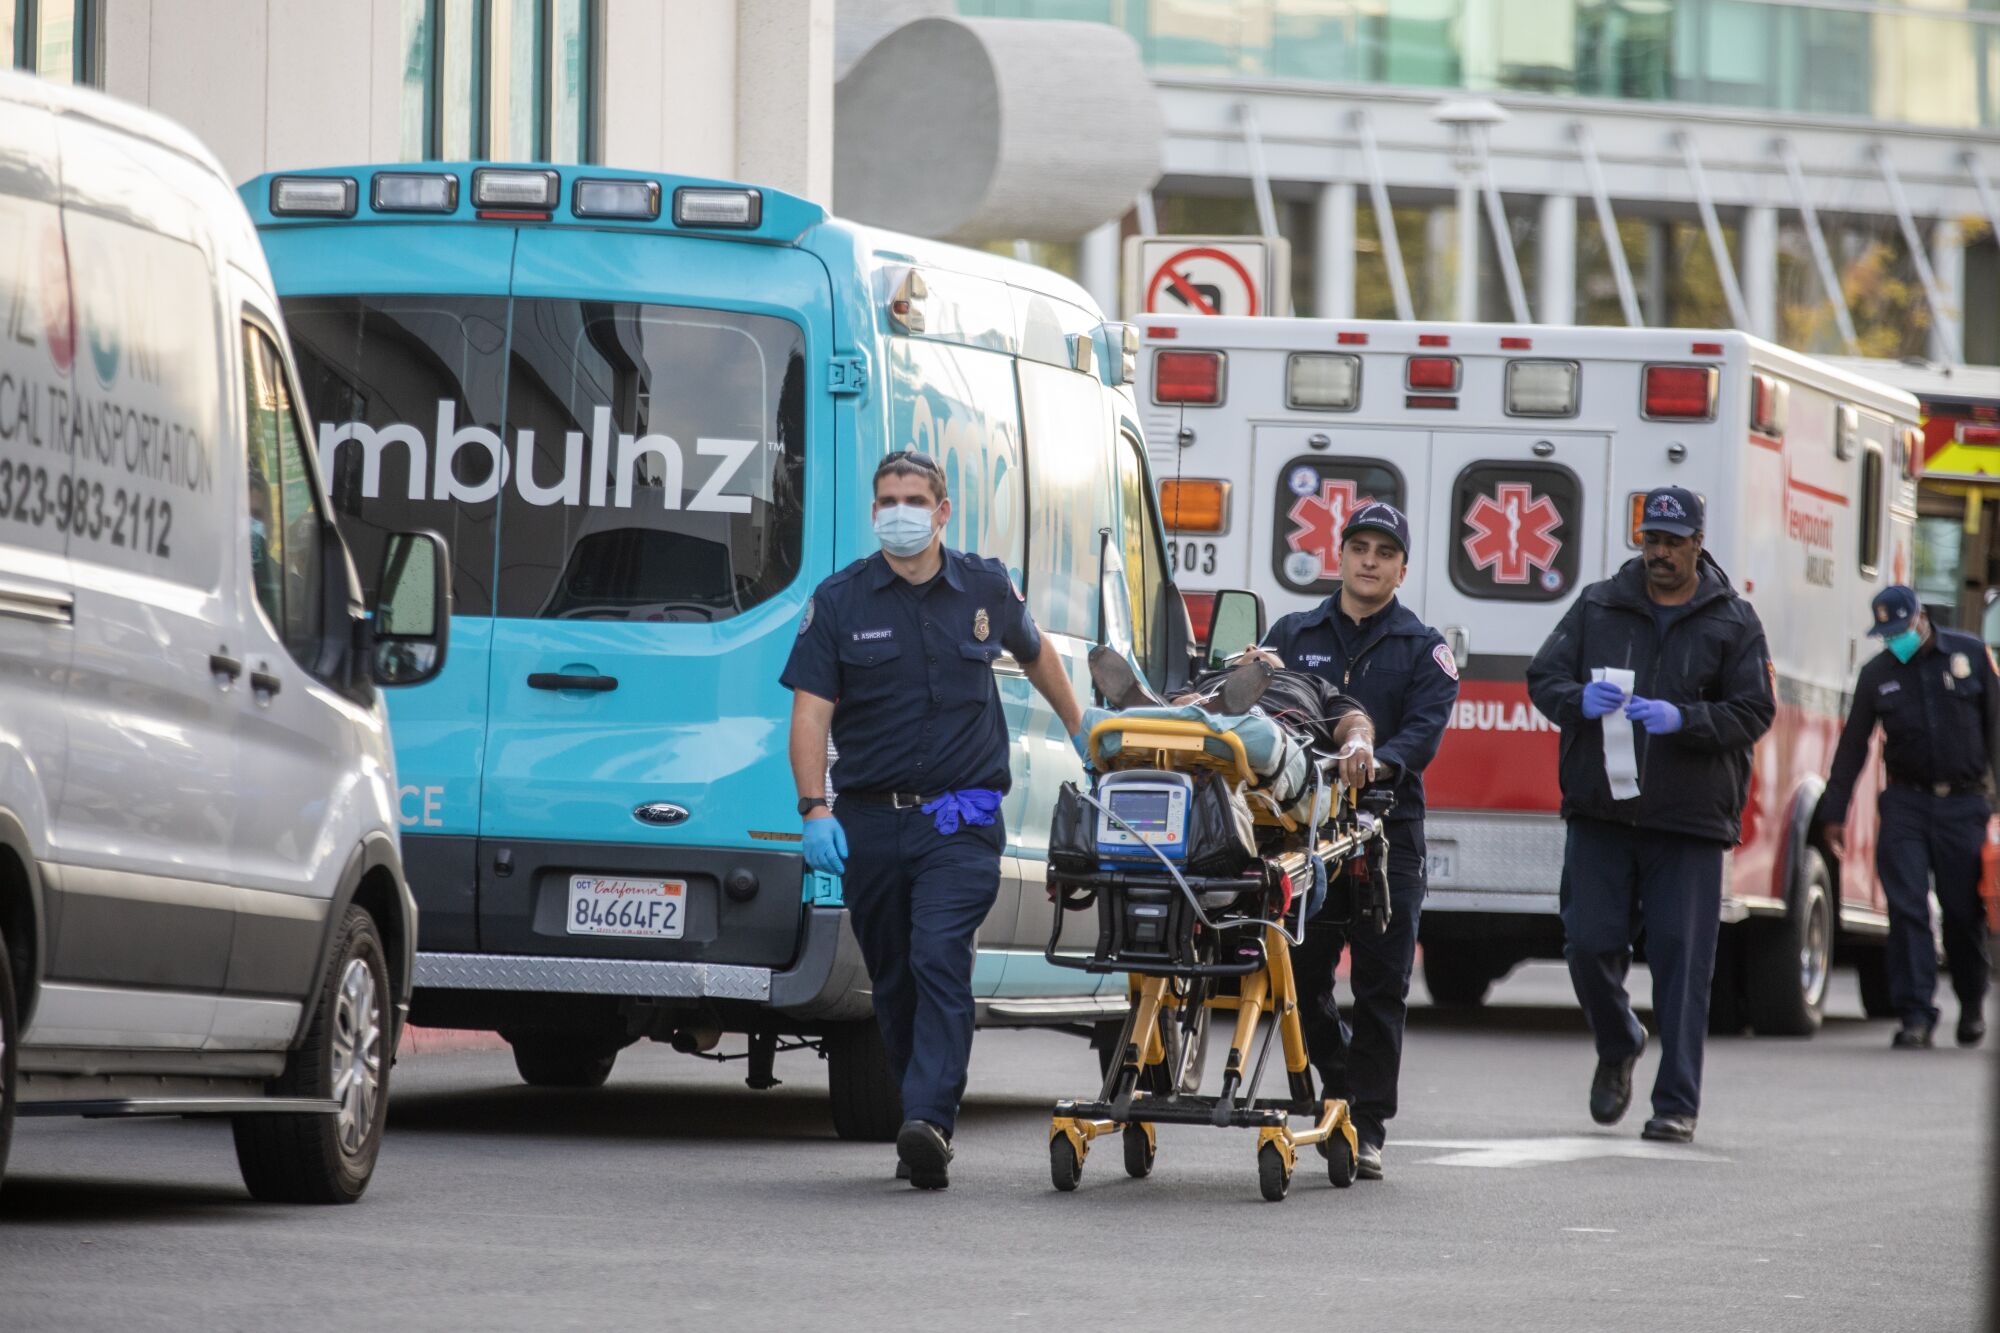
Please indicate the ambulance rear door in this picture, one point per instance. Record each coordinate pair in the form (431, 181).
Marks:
(1515, 524)
(1304, 482)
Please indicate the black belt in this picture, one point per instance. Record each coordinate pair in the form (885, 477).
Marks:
(1939, 788)
(898, 800)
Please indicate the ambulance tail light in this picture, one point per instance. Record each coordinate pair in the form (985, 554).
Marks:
(505, 193)
(1201, 613)
(1432, 372)
(1193, 379)
(1542, 388)
(1770, 398)
(1325, 381)
(1971, 434)
(313, 196)
(702, 207)
(1195, 504)
(1680, 393)
(1913, 452)
(1637, 506)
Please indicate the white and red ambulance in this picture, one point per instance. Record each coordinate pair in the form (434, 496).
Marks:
(1521, 454)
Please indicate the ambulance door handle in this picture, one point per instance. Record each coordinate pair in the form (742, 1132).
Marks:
(562, 680)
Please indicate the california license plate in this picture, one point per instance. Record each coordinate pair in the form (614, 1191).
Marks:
(654, 909)
(1442, 863)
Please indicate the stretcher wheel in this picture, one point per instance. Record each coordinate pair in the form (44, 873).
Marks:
(1340, 1161)
(1139, 1152)
(1274, 1178)
(1064, 1168)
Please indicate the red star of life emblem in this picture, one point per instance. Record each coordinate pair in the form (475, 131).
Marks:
(1512, 529)
(1318, 519)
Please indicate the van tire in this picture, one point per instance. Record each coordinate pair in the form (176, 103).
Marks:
(867, 1103)
(10, 1042)
(329, 1158)
(1789, 959)
(1457, 975)
(561, 1059)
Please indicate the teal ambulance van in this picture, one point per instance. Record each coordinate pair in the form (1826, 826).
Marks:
(644, 412)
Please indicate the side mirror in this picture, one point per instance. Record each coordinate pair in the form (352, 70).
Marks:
(412, 609)
(1236, 623)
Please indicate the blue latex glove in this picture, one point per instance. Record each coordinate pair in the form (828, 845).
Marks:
(1601, 697)
(1659, 717)
(826, 846)
(1082, 743)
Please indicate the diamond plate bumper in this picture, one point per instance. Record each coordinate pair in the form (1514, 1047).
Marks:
(592, 976)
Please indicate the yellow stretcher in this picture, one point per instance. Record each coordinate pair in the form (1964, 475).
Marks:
(1228, 950)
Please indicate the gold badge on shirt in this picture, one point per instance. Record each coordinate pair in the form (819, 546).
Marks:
(981, 626)
(1961, 665)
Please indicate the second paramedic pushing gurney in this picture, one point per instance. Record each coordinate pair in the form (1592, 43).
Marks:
(1362, 639)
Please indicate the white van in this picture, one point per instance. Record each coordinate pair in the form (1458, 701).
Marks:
(202, 902)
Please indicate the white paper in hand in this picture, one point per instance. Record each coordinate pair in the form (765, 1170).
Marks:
(1621, 758)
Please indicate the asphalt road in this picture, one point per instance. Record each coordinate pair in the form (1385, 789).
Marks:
(1834, 1185)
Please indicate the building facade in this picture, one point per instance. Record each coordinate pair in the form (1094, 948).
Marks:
(738, 89)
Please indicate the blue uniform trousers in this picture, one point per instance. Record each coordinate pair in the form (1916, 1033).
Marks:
(1360, 1055)
(1615, 880)
(1924, 836)
(916, 898)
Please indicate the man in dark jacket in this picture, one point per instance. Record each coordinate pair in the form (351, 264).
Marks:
(1700, 695)
(1376, 650)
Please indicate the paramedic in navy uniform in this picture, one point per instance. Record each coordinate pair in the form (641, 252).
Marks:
(1399, 669)
(1654, 859)
(1935, 694)
(895, 656)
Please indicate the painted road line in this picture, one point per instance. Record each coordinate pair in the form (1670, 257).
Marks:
(1542, 1152)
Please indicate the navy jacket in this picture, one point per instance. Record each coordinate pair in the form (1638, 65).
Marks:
(1938, 711)
(1400, 671)
(1713, 666)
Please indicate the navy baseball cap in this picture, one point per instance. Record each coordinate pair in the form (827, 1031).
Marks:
(1672, 509)
(1379, 516)
(1894, 608)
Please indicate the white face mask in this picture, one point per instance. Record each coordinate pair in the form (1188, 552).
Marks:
(904, 530)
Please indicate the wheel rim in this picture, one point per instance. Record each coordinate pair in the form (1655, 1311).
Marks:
(1815, 945)
(357, 1055)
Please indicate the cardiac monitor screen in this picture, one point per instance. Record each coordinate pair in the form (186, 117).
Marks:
(1145, 811)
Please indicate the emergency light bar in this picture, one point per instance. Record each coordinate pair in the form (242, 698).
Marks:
(413, 192)
(700, 207)
(1541, 388)
(1680, 393)
(1432, 372)
(1326, 381)
(1192, 378)
(500, 187)
(313, 196)
(1195, 504)
(615, 199)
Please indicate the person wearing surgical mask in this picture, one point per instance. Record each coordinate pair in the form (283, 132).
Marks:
(894, 660)
(1935, 693)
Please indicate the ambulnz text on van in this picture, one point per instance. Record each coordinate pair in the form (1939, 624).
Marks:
(642, 408)
(1521, 455)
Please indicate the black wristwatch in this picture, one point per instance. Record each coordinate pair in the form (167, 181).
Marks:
(806, 804)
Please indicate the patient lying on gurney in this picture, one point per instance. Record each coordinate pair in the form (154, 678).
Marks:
(1281, 717)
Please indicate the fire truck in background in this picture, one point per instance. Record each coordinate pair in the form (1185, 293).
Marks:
(1522, 455)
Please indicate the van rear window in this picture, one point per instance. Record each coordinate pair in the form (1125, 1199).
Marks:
(1518, 531)
(586, 460)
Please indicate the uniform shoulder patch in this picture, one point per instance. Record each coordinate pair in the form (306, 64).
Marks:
(1014, 586)
(806, 618)
(1446, 662)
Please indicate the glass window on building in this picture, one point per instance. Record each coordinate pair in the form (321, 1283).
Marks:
(500, 80)
(56, 39)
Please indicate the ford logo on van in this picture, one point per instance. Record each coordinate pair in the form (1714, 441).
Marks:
(663, 813)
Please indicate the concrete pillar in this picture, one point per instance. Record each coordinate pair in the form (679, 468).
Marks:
(1757, 258)
(1333, 252)
(1555, 260)
(1440, 233)
(1948, 261)
(1654, 298)
(1097, 266)
(1465, 308)
(784, 95)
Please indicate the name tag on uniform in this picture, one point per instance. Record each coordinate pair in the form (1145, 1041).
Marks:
(1888, 687)
(870, 635)
(1310, 660)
